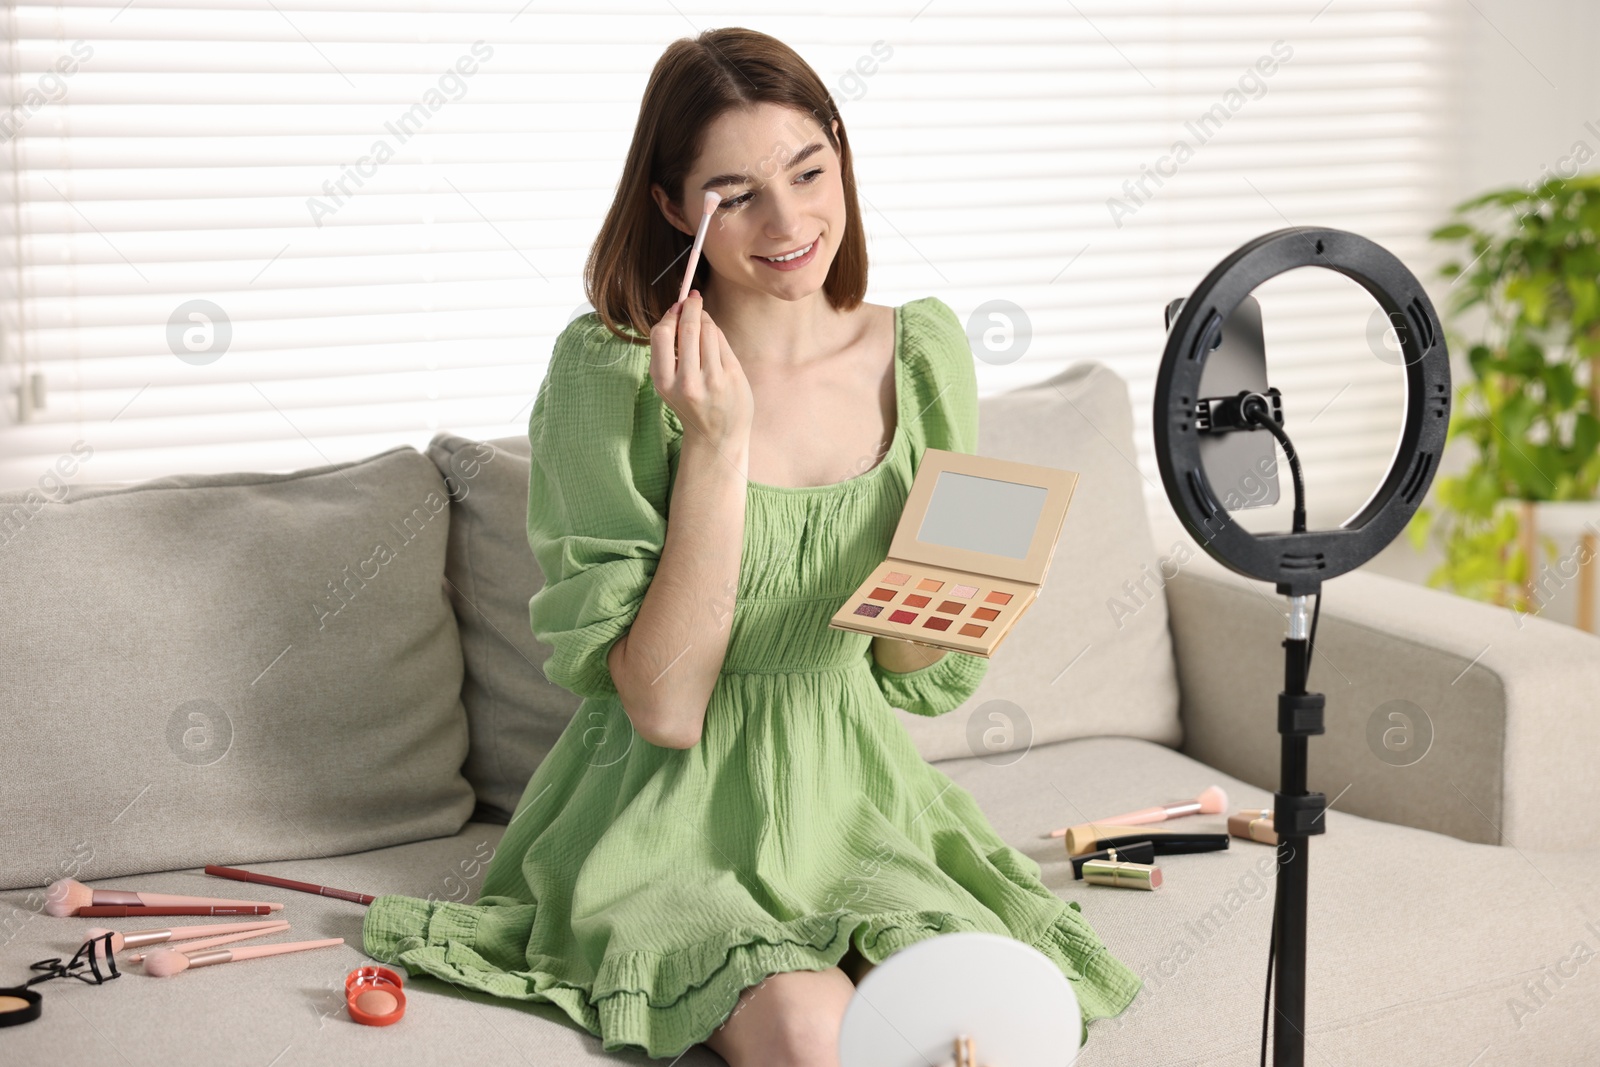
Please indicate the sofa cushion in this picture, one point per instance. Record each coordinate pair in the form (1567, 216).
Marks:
(1093, 655)
(1487, 950)
(1459, 948)
(228, 668)
(515, 713)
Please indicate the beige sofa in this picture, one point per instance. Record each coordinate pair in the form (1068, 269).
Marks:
(329, 675)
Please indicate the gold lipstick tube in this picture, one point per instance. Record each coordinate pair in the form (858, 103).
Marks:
(1121, 874)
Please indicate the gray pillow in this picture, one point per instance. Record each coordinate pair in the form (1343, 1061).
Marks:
(1093, 655)
(516, 714)
(228, 668)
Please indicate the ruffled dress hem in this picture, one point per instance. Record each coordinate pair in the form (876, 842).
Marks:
(666, 1003)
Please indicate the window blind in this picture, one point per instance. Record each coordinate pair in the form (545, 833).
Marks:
(265, 237)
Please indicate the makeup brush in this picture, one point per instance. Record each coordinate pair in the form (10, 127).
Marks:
(141, 911)
(66, 895)
(164, 961)
(140, 938)
(208, 942)
(713, 198)
(1210, 802)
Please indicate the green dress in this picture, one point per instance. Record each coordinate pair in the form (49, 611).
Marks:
(641, 888)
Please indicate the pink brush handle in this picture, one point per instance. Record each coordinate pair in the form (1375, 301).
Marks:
(1159, 814)
(208, 942)
(139, 938)
(183, 933)
(257, 951)
(1137, 818)
(694, 257)
(1143, 816)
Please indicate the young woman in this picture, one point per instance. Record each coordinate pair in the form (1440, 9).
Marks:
(735, 826)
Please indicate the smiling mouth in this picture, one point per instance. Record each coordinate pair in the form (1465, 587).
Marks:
(796, 254)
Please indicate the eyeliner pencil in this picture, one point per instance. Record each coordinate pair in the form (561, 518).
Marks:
(288, 883)
(1168, 844)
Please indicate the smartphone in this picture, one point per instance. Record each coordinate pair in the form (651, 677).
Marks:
(1242, 466)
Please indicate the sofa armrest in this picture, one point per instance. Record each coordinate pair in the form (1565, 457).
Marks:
(1510, 700)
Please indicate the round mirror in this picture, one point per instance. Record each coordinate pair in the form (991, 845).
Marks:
(1009, 999)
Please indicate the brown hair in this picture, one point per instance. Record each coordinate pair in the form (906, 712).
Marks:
(627, 276)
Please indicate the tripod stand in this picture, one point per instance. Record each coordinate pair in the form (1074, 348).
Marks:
(1296, 815)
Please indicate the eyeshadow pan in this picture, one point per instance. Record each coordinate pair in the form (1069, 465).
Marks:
(964, 591)
(933, 622)
(881, 593)
(896, 578)
(916, 600)
(869, 610)
(986, 614)
(903, 616)
(972, 629)
(997, 597)
(931, 585)
(951, 607)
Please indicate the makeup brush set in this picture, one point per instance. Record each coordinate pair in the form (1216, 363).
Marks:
(1121, 851)
(373, 994)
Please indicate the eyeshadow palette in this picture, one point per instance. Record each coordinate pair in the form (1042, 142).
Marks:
(971, 550)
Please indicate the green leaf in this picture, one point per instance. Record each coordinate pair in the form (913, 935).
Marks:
(1451, 493)
(1417, 528)
(1585, 294)
(1532, 482)
(1524, 356)
(1561, 385)
(1589, 474)
(1483, 491)
(1532, 292)
(1516, 415)
(1505, 528)
(1478, 358)
(1517, 565)
(1586, 435)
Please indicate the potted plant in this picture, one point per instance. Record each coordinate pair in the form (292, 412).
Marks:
(1530, 259)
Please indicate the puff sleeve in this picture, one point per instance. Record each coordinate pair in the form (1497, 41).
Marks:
(935, 689)
(598, 486)
(944, 386)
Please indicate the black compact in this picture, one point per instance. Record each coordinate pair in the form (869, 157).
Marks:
(19, 1005)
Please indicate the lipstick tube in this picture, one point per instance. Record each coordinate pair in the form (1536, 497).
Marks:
(1134, 852)
(1254, 824)
(1121, 874)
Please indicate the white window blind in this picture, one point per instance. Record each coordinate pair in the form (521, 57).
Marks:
(389, 220)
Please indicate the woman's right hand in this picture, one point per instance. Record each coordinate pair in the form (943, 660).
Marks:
(698, 375)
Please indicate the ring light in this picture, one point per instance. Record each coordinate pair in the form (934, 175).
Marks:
(1299, 562)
